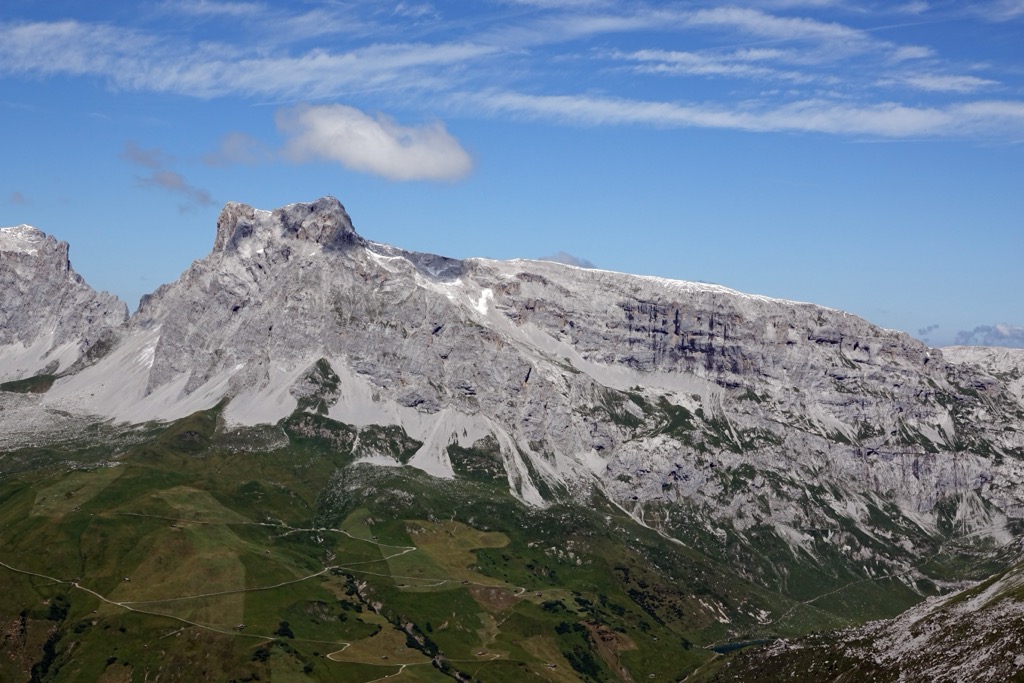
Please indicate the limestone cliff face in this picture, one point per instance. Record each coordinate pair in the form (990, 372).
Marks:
(49, 316)
(687, 404)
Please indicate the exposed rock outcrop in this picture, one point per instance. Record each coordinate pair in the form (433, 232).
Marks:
(49, 316)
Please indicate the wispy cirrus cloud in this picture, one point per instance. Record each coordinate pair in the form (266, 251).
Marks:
(561, 4)
(801, 4)
(758, 23)
(812, 41)
(946, 83)
(916, 7)
(999, 10)
(746, 63)
(904, 53)
(137, 61)
(210, 8)
(887, 120)
(843, 77)
(69, 48)
(311, 75)
(416, 10)
(271, 25)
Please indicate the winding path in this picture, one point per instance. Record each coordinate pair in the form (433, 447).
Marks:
(132, 605)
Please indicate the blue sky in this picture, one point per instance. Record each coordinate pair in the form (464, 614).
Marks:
(867, 156)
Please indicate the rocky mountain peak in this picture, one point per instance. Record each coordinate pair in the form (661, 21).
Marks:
(27, 241)
(20, 238)
(324, 222)
(49, 316)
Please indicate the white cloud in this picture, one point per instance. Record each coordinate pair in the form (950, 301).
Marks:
(948, 83)
(280, 28)
(759, 23)
(740, 63)
(137, 61)
(67, 47)
(794, 51)
(415, 10)
(999, 10)
(314, 74)
(888, 119)
(561, 4)
(209, 8)
(914, 7)
(787, 4)
(905, 53)
(374, 145)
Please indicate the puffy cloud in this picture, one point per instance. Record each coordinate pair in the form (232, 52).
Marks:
(1000, 334)
(372, 144)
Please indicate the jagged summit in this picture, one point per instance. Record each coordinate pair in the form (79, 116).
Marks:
(23, 239)
(324, 222)
(30, 241)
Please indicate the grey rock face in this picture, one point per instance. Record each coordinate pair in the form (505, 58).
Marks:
(323, 222)
(49, 316)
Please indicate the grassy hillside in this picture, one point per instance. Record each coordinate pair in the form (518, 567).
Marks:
(271, 554)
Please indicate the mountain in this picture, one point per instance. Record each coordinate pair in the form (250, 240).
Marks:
(763, 467)
(49, 316)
